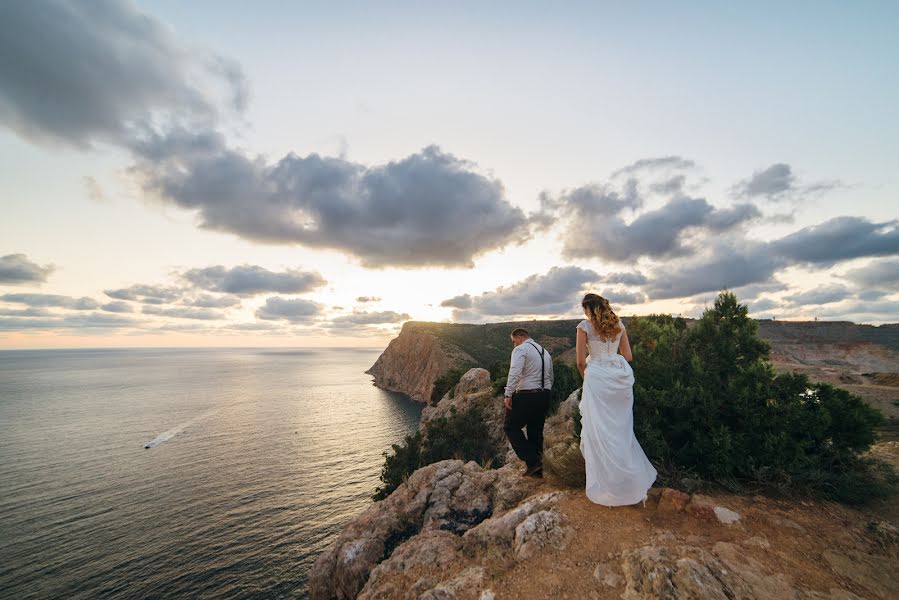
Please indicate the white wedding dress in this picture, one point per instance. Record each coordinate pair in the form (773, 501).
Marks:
(618, 472)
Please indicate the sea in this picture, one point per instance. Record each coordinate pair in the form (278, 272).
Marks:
(184, 473)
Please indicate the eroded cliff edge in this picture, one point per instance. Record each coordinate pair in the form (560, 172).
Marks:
(414, 360)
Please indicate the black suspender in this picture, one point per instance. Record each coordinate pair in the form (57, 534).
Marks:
(542, 366)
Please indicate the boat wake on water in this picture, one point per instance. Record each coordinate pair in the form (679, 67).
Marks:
(169, 434)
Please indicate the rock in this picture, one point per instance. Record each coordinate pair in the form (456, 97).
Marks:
(726, 516)
(544, 529)
(672, 500)
(607, 575)
(445, 496)
(704, 507)
(465, 584)
(687, 572)
(500, 530)
(487, 595)
(757, 541)
(414, 360)
(474, 390)
(432, 548)
(884, 537)
(874, 573)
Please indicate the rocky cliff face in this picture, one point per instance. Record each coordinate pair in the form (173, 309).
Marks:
(455, 530)
(414, 360)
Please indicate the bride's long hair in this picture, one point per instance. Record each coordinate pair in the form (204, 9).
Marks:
(605, 322)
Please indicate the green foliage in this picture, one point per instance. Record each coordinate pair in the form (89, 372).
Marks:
(464, 436)
(566, 379)
(460, 435)
(708, 401)
(398, 466)
(447, 382)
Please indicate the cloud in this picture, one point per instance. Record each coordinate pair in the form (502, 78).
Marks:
(658, 233)
(823, 294)
(373, 318)
(634, 278)
(103, 71)
(778, 181)
(117, 307)
(620, 297)
(884, 273)
(17, 269)
(25, 312)
(839, 239)
(203, 314)
(52, 300)
(247, 280)
(653, 164)
(463, 301)
(555, 292)
(289, 309)
(76, 322)
(210, 301)
(772, 181)
(428, 209)
(725, 266)
(148, 294)
(364, 299)
(734, 264)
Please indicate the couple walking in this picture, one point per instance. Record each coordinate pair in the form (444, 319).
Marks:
(618, 472)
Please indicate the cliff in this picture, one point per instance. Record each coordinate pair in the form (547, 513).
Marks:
(455, 530)
(414, 360)
(861, 358)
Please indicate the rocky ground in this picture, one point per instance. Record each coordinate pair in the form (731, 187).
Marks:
(456, 530)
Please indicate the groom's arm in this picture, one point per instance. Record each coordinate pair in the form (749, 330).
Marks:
(515, 367)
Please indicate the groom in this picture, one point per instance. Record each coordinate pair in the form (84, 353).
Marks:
(527, 399)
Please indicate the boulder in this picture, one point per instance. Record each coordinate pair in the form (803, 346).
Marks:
(546, 529)
(671, 500)
(449, 496)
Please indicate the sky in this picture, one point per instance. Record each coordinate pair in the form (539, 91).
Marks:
(316, 174)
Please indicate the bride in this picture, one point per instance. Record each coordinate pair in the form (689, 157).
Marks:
(618, 472)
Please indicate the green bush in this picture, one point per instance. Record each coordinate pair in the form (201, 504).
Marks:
(447, 382)
(708, 402)
(398, 466)
(464, 436)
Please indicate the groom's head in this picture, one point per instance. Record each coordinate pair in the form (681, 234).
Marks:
(519, 336)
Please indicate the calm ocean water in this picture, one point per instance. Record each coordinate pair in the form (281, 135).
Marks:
(258, 457)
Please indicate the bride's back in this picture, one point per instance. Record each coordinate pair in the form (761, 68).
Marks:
(599, 346)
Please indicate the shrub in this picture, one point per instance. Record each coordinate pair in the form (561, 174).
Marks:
(708, 401)
(447, 382)
(398, 466)
(464, 436)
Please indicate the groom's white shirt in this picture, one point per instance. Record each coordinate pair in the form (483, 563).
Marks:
(524, 370)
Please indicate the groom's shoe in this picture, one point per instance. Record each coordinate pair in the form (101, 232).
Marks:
(535, 471)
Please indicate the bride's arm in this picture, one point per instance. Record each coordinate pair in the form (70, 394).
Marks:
(625, 348)
(581, 351)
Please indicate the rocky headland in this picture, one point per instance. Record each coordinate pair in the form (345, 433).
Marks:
(459, 530)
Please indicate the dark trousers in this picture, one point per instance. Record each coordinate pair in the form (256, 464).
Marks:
(529, 411)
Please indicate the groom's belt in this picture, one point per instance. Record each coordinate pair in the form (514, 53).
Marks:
(534, 391)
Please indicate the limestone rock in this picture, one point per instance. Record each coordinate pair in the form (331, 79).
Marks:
(688, 572)
(500, 530)
(704, 507)
(465, 584)
(445, 496)
(431, 548)
(541, 530)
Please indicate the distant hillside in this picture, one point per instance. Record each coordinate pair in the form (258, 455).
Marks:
(861, 358)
